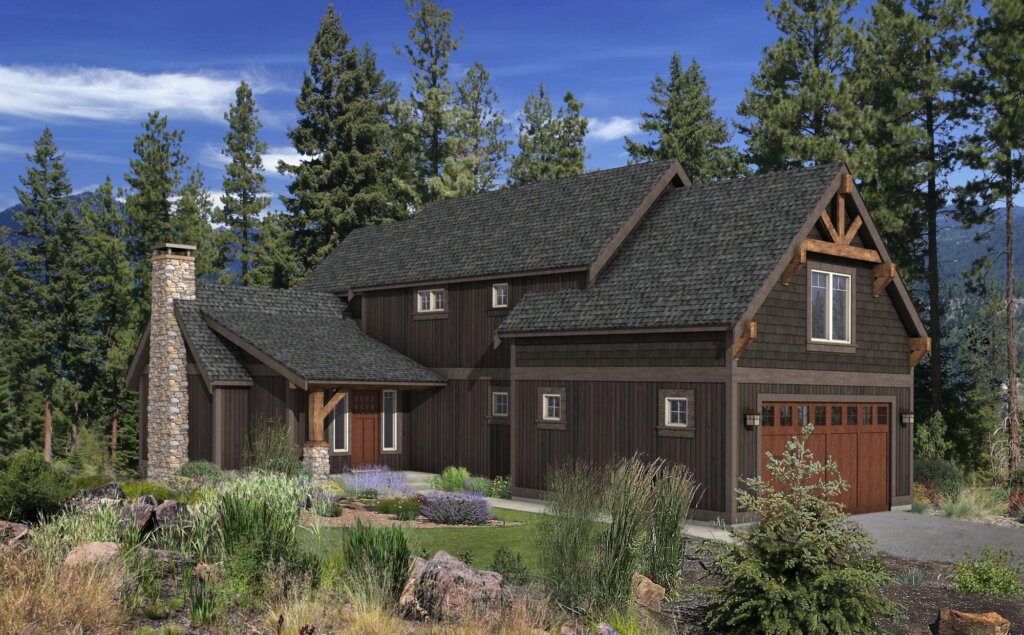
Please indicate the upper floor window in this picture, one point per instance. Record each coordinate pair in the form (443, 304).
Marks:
(499, 295)
(499, 404)
(430, 301)
(552, 407)
(830, 307)
(677, 412)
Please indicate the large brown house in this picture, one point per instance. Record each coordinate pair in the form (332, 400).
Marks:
(621, 311)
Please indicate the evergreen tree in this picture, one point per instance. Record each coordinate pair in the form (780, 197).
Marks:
(685, 127)
(277, 264)
(550, 145)
(193, 214)
(998, 152)
(429, 51)
(244, 183)
(479, 147)
(48, 229)
(800, 110)
(910, 71)
(344, 180)
(16, 430)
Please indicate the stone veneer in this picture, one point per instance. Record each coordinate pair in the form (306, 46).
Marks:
(316, 460)
(174, 277)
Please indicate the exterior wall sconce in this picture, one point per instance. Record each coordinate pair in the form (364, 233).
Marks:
(753, 419)
(907, 418)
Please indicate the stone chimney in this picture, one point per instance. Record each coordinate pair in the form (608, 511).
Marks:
(174, 277)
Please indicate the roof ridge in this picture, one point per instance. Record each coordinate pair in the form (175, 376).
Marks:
(765, 175)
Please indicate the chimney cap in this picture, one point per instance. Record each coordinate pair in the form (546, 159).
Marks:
(174, 249)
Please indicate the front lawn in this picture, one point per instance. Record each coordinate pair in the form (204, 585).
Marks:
(479, 542)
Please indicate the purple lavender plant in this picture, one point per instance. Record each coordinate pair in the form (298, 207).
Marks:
(375, 482)
(456, 508)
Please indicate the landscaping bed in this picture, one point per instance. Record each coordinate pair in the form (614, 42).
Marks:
(367, 516)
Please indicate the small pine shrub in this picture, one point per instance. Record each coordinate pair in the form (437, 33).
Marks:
(272, 449)
(511, 566)
(453, 508)
(940, 477)
(803, 567)
(407, 508)
(134, 489)
(201, 473)
(501, 487)
(452, 479)
(31, 487)
(992, 574)
(379, 558)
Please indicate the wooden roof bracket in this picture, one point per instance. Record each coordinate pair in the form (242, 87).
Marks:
(748, 335)
(919, 347)
(318, 411)
(799, 260)
(884, 274)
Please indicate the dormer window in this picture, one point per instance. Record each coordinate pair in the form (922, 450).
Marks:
(499, 295)
(430, 301)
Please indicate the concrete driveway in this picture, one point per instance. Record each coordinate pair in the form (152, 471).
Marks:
(935, 538)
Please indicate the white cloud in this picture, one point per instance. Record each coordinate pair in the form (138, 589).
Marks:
(613, 128)
(110, 94)
(212, 156)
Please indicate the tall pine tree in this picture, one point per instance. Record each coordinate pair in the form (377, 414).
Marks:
(345, 178)
(551, 145)
(799, 109)
(245, 193)
(685, 127)
(478, 143)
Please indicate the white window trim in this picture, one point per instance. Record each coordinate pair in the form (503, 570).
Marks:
(494, 295)
(668, 412)
(829, 276)
(494, 403)
(346, 422)
(434, 305)
(394, 421)
(544, 399)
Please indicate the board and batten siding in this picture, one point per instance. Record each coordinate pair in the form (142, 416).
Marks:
(782, 339)
(234, 403)
(641, 349)
(200, 420)
(611, 420)
(465, 337)
(902, 437)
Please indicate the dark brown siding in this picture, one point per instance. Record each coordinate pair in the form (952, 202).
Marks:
(235, 417)
(880, 336)
(200, 424)
(654, 349)
(902, 436)
(464, 339)
(611, 420)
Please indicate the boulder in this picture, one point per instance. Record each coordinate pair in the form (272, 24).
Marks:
(88, 499)
(143, 515)
(93, 554)
(146, 499)
(170, 512)
(647, 593)
(606, 629)
(445, 589)
(950, 622)
(12, 533)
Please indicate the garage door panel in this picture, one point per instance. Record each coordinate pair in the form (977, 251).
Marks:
(843, 450)
(873, 475)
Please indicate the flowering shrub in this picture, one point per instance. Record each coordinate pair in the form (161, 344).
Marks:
(374, 482)
(452, 508)
(501, 487)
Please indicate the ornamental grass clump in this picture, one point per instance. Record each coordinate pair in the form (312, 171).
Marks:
(452, 479)
(803, 568)
(374, 482)
(379, 561)
(272, 449)
(454, 508)
(674, 492)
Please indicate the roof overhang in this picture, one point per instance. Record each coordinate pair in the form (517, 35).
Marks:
(195, 353)
(250, 348)
(496, 276)
(139, 360)
(623, 331)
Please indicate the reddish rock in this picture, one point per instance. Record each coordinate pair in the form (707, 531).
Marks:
(143, 514)
(170, 512)
(93, 554)
(647, 593)
(446, 589)
(950, 622)
(12, 533)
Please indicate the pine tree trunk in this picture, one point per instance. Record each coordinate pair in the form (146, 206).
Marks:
(47, 430)
(74, 429)
(934, 300)
(115, 417)
(1012, 421)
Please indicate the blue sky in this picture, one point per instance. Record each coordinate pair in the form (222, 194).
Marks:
(91, 70)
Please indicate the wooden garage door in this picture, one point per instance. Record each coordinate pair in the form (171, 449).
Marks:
(855, 435)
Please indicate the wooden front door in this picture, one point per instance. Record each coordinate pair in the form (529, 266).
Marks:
(364, 419)
(855, 435)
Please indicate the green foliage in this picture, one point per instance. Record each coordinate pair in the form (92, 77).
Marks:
(501, 487)
(974, 504)
(992, 574)
(911, 577)
(511, 566)
(272, 449)
(159, 491)
(674, 491)
(478, 485)
(202, 472)
(940, 475)
(90, 481)
(406, 508)
(57, 535)
(930, 439)
(452, 479)
(802, 567)
(30, 487)
(550, 144)
(379, 557)
(685, 126)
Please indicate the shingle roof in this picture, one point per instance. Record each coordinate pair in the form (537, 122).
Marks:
(553, 225)
(308, 333)
(697, 259)
(221, 360)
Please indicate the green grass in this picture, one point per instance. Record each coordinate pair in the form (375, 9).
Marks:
(482, 542)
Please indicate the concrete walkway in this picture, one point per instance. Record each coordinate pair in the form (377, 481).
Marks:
(937, 539)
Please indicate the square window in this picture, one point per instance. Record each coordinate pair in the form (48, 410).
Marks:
(430, 301)
(499, 295)
(552, 407)
(830, 307)
(677, 412)
(499, 404)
